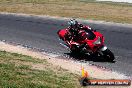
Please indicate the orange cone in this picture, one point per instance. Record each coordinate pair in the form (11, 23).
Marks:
(84, 73)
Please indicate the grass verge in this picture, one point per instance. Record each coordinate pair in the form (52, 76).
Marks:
(20, 71)
(85, 9)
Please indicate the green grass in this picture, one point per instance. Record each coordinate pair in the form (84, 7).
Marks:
(16, 72)
(88, 9)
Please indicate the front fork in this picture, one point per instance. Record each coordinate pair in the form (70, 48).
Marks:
(103, 48)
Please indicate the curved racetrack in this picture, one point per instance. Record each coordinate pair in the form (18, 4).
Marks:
(41, 33)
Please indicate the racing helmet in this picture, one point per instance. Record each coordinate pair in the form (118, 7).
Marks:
(73, 23)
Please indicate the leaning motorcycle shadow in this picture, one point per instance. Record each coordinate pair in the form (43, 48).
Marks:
(85, 57)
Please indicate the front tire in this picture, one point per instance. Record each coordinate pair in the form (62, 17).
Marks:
(108, 55)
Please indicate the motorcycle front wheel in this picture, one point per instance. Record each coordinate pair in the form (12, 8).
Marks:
(108, 55)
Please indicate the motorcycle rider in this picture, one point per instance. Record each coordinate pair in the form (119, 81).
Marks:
(74, 29)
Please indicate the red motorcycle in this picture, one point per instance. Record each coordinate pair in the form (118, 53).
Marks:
(89, 42)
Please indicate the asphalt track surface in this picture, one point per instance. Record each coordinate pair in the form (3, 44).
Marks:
(41, 33)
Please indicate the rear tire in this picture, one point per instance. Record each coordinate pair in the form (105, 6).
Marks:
(108, 55)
